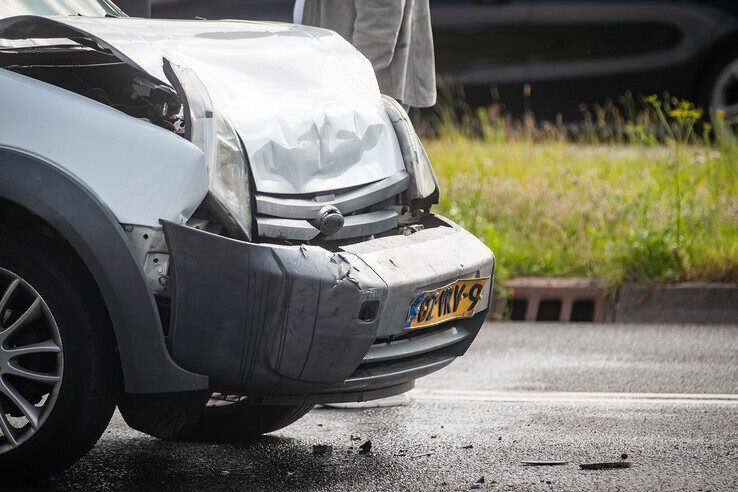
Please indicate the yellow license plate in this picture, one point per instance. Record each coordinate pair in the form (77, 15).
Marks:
(459, 299)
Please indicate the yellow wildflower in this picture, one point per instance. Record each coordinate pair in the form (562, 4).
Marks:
(653, 100)
(686, 111)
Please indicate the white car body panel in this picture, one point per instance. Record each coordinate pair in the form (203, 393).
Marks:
(305, 103)
(143, 173)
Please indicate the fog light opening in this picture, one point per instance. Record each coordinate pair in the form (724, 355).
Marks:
(368, 311)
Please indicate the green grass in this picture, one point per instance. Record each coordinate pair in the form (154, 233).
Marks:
(615, 210)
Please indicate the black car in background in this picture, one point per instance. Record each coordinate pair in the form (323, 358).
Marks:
(568, 52)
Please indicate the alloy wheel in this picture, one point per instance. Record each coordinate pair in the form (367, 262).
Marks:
(31, 361)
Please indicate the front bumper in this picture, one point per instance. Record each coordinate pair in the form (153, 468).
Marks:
(289, 324)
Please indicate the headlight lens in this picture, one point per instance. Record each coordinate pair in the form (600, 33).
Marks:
(228, 174)
(424, 185)
(229, 177)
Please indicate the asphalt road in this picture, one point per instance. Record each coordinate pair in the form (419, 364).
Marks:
(665, 395)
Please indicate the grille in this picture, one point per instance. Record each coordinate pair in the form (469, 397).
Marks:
(367, 211)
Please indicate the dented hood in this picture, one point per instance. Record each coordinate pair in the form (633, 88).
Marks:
(305, 103)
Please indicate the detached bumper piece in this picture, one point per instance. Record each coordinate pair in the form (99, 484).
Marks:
(291, 324)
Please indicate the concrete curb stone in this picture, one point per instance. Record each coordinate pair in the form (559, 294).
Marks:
(690, 302)
(532, 298)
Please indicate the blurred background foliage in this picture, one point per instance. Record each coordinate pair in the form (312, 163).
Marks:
(643, 190)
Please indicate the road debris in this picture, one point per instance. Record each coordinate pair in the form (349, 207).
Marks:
(467, 446)
(605, 466)
(365, 448)
(624, 456)
(322, 450)
(479, 483)
(420, 455)
(355, 438)
(544, 463)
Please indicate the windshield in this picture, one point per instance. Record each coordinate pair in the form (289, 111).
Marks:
(92, 8)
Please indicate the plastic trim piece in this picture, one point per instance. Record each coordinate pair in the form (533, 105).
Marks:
(92, 230)
(277, 228)
(301, 230)
(351, 201)
(382, 352)
(267, 318)
(285, 324)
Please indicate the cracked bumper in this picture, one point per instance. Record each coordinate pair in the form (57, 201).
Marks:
(303, 324)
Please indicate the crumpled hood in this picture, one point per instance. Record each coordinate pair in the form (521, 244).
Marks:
(305, 103)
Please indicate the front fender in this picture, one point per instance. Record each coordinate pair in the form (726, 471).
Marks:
(93, 231)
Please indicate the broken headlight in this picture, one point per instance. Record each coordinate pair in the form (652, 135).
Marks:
(228, 174)
(423, 189)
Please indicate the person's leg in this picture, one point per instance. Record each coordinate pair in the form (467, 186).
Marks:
(297, 11)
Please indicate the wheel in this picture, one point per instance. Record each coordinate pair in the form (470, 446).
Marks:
(59, 375)
(720, 89)
(228, 418)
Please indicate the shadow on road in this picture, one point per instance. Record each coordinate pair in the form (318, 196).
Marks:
(267, 462)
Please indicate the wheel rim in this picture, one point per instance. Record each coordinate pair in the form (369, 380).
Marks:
(31, 361)
(725, 91)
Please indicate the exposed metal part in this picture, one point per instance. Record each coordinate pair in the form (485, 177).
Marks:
(28, 333)
(152, 253)
(411, 229)
(350, 201)
(156, 269)
(145, 240)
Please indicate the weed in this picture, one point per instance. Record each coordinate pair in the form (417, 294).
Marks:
(652, 196)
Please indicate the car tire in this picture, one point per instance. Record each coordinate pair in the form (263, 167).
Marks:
(720, 86)
(239, 421)
(51, 311)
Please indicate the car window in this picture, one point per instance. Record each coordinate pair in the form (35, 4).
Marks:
(93, 8)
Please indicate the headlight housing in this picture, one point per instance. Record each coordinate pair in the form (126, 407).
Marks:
(229, 193)
(423, 190)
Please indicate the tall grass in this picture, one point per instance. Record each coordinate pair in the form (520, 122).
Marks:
(648, 196)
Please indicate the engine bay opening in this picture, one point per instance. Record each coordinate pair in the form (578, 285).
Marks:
(81, 66)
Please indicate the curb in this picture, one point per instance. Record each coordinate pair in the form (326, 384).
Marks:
(691, 302)
(593, 300)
